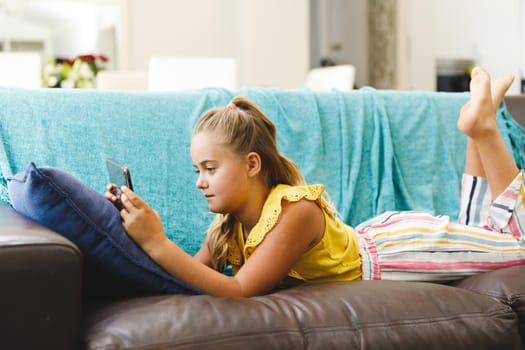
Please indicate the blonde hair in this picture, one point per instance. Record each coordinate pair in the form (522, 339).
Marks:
(244, 128)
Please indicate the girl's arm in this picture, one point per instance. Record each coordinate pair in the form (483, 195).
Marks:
(300, 226)
(203, 255)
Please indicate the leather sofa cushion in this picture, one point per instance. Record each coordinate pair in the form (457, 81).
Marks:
(349, 315)
(506, 285)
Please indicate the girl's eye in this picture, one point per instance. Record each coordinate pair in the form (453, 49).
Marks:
(209, 170)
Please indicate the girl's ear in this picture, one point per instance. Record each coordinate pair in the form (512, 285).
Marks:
(254, 163)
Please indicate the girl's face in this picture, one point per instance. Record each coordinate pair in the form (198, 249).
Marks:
(222, 174)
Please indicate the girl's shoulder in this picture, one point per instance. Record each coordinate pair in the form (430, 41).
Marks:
(294, 193)
(273, 207)
(274, 203)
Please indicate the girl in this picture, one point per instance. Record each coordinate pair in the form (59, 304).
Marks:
(272, 227)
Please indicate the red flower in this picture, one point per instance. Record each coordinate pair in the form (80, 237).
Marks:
(64, 60)
(89, 58)
(92, 58)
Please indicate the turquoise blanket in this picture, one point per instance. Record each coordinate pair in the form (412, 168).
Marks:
(374, 150)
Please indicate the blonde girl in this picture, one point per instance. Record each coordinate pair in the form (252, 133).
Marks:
(273, 228)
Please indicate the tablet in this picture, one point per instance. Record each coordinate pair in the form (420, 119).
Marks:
(120, 176)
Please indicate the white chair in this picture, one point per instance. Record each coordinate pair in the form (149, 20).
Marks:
(177, 73)
(122, 80)
(22, 69)
(340, 77)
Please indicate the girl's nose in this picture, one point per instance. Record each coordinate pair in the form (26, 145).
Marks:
(201, 183)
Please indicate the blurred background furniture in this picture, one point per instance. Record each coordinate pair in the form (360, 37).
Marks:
(20, 69)
(516, 106)
(178, 73)
(339, 77)
(122, 80)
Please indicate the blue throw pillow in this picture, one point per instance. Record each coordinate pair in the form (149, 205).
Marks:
(114, 265)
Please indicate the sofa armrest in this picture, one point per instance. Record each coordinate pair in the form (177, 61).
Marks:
(506, 285)
(40, 284)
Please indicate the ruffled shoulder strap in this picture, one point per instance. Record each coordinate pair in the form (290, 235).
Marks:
(272, 209)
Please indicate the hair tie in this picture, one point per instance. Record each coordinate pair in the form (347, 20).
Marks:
(232, 106)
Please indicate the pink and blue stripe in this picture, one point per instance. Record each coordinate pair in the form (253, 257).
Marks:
(417, 246)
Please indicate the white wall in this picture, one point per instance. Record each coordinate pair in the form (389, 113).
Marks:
(269, 38)
(416, 56)
(174, 27)
(342, 32)
(491, 35)
(75, 27)
(272, 42)
(522, 39)
(486, 31)
(19, 30)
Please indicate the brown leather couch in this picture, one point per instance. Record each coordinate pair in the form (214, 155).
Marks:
(42, 309)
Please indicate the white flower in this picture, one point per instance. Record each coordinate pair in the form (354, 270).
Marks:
(85, 83)
(59, 68)
(49, 69)
(65, 73)
(52, 80)
(67, 84)
(73, 75)
(85, 71)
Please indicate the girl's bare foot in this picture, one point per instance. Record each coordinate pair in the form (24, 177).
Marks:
(478, 116)
(498, 89)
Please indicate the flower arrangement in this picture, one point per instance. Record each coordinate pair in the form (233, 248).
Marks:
(79, 72)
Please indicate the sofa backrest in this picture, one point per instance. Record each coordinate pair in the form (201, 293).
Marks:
(374, 150)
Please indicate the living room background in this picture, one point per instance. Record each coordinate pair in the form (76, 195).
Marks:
(392, 43)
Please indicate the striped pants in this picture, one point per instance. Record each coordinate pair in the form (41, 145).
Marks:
(415, 246)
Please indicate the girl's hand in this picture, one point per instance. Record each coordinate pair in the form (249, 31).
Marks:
(113, 194)
(109, 193)
(141, 222)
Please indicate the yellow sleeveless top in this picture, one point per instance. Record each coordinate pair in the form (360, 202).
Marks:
(334, 258)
